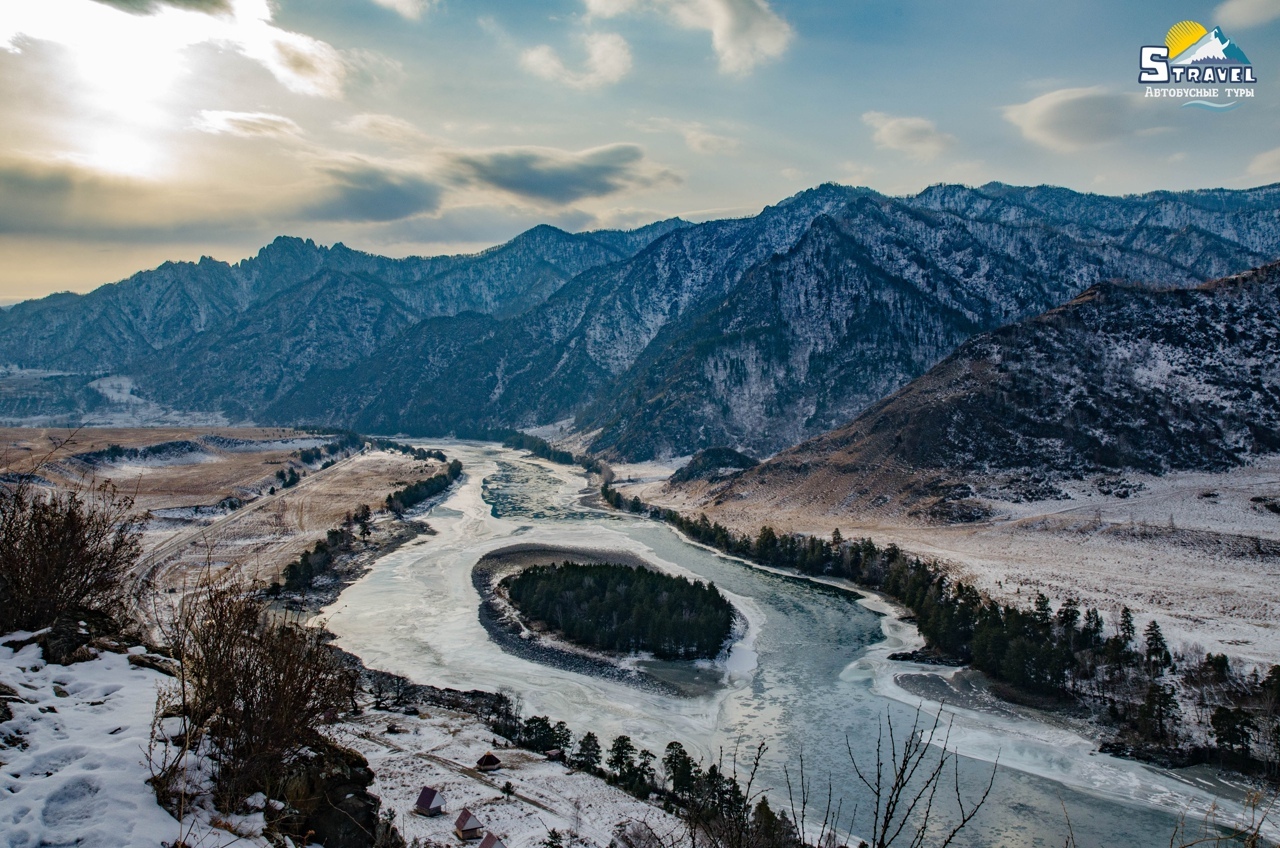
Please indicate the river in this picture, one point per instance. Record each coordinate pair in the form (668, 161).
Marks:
(809, 678)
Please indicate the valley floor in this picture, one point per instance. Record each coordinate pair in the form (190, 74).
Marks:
(1198, 552)
(74, 752)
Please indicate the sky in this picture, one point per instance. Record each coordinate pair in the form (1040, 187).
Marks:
(139, 131)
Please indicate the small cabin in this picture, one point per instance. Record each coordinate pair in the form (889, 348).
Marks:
(430, 802)
(491, 841)
(488, 763)
(555, 755)
(468, 826)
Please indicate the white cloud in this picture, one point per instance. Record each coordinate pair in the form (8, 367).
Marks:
(608, 61)
(1072, 119)
(1242, 14)
(744, 33)
(246, 124)
(696, 136)
(609, 8)
(140, 53)
(918, 138)
(411, 9)
(1266, 165)
(385, 128)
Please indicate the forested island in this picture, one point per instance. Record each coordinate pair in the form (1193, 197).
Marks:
(624, 608)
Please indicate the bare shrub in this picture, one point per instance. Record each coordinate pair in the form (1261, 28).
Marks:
(62, 552)
(258, 688)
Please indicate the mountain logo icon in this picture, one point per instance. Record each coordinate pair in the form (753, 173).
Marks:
(1215, 70)
(1191, 43)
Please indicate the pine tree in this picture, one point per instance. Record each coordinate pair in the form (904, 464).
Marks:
(587, 757)
(1157, 651)
(1127, 629)
(1159, 713)
(622, 755)
(680, 768)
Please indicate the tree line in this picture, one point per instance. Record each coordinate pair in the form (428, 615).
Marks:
(625, 608)
(413, 494)
(1134, 680)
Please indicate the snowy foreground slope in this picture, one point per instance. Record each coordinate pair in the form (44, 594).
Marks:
(74, 756)
(73, 768)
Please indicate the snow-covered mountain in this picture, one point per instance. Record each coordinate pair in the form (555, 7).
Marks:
(752, 333)
(1122, 379)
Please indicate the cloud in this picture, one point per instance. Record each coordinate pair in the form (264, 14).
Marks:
(150, 7)
(1073, 119)
(302, 64)
(1266, 165)
(246, 124)
(744, 33)
(918, 138)
(559, 176)
(64, 199)
(385, 128)
(696, 136)
(608, 61)
(364, 191)
(411, 9)
(1242, 14)
(129, 58)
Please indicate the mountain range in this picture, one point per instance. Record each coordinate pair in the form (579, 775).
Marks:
(753, 333)
(1121, 379)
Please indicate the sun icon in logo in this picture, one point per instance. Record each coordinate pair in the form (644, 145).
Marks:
(1183, 35)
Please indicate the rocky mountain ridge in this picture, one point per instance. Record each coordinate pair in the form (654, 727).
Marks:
(752, 333)
(1121, 379)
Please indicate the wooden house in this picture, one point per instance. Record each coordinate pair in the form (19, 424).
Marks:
(430, 802)
(488, 763)
(467, 826)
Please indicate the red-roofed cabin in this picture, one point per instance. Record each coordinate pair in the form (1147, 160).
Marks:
(491, 841)
(468, 826)
(488, 763)
(430, 802)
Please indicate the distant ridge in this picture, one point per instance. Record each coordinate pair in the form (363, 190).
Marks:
(752, 333)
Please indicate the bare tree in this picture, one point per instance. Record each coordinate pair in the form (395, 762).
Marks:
(905, 782)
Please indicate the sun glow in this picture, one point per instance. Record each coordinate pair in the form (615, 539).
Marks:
(126, 70)
(1182, 35)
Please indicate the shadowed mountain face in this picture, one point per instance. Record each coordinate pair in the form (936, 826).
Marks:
(1120, 379)
(755, 333)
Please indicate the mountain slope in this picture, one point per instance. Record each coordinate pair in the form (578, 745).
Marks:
(233, 338)
(869, 299)
(117, 325)
(751, 333)
(1121, 379)
(542, 366)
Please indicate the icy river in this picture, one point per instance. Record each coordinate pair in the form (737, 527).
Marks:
(810, 673)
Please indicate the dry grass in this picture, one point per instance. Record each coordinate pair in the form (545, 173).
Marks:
(255, 541)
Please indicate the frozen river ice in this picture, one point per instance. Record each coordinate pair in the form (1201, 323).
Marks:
(810, 674)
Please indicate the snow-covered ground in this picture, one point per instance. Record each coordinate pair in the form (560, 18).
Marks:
(440, 749)
(74, 758)
(73, 769)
